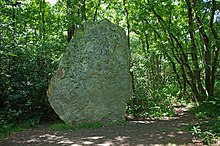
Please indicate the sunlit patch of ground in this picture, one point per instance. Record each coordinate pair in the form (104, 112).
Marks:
(166, 131)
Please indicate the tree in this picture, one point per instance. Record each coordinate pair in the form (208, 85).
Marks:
(197, 68)
(174, 51)
(29, 52)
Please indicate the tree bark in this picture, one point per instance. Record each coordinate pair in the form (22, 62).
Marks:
(216, 47)
(96, 11)
(182, 57)
(147, 41)
(129, 45)
(83, 10)
(194, 51)
(71, 26)
(42, 29)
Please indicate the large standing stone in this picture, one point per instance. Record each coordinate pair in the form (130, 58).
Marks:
(92, 82)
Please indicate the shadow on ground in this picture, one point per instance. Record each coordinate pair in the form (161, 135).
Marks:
(160, 132)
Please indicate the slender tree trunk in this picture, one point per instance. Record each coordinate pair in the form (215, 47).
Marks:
(42, 29)
(127, 21)
(210, 54)
(144, 47)
(83, 10)
(184, 83)
(96, 11)
(129, 45)
(193, 75)
(194, 51)
(71, 26)
(216, 47)
(158, 69)
(14, 24)
(147, 41)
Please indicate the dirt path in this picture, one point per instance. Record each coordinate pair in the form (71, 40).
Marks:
(149, 132)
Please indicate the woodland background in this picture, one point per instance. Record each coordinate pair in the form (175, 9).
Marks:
(174, 47)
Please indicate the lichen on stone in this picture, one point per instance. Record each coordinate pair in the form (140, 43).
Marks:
(93, 82)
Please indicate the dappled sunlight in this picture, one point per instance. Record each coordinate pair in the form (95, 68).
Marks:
(94, 137)
(140, 133)
(62, 140)
(143, 122)
(121, 138)
(159, 132)
(50, 138)
(87, 142)
(106, 143)
(166, 131)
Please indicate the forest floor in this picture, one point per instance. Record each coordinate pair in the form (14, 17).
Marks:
(166, 131)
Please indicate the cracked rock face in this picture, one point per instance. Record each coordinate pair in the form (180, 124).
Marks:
(92, 82)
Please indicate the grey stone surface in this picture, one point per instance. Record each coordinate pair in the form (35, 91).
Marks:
(92, 82)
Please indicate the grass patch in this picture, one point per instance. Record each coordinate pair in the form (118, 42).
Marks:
(60, 127)
(9, 129)
(209, 127)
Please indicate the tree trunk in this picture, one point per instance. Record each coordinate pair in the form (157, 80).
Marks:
(83, 10)
(147, 42)
(129, 45)
(71, 26)
(194, 52)
(96, 11)
(14, 24)
(216, 47)
(42, 29)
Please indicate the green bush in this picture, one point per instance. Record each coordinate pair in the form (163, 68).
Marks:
(153, 96)
(209, 129)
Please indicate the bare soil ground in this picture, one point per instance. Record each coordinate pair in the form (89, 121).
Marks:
(166, 131)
